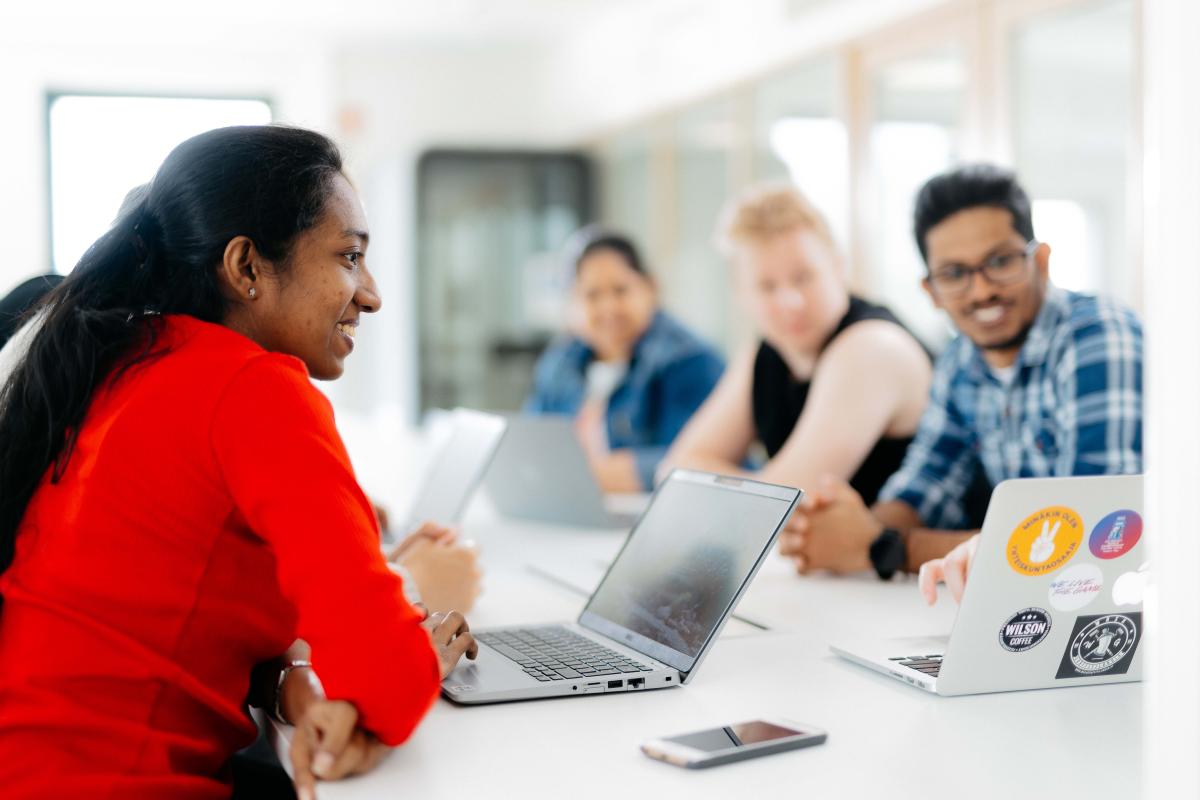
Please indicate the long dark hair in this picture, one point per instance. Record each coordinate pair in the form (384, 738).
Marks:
(161, 256)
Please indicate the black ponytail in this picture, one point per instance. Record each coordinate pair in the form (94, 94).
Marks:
(161, 256)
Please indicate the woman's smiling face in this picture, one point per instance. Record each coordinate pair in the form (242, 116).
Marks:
(312, 307)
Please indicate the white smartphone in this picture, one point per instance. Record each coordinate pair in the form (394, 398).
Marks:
(759, 737)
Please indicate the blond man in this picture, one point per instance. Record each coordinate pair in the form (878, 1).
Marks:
(835, 385)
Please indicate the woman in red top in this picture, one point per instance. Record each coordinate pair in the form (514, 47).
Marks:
(176, 505)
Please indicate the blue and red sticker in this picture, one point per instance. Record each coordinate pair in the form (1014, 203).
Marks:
(1116, 534)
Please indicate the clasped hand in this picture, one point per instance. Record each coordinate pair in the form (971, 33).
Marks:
(831, 529)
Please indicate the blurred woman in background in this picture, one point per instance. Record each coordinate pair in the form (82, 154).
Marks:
(629, 373)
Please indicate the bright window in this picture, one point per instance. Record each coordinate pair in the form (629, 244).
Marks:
(103, 146)
(816, 153)
(1063, 224)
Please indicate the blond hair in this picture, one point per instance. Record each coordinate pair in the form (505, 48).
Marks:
(763, 212)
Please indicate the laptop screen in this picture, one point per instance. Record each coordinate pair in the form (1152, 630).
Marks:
(685, 563)
(457, 468)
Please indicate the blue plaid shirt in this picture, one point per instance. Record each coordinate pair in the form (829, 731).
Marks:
(670, 374)
(1073, 407)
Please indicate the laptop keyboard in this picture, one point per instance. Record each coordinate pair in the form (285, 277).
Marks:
(929, 665)
(555, 653)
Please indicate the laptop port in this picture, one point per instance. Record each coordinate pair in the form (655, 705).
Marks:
(614, 684)
(636, 683)
(668, 679)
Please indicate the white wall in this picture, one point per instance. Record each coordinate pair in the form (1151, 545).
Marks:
(1172, 206)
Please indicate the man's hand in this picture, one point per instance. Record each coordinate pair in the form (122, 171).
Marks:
(328, 744)
(793, 538)
(451, 639)
(952, 569)
(832, 530)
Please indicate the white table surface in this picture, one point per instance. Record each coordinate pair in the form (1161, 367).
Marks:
(886, 739)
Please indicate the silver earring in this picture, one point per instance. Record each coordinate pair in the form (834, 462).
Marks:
(253, 292)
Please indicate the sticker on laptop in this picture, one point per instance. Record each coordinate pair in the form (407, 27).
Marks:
(1025, 630)
(1075, 587)
(1103, 644)
(1045, 541)
(1130, 587)
(1116, 534)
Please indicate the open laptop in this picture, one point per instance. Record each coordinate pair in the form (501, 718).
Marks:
(456, 469)
(659, 608)
(542, 474)
(1053, 598)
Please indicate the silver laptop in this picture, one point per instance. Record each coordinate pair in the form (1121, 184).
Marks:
(456, 469)
(541, 474)
(1053, 598)
(659, 608)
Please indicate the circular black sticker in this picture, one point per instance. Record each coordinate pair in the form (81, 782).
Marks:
(1025, 630)
(1103, 643)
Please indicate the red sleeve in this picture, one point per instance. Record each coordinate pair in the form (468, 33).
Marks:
(290, 477)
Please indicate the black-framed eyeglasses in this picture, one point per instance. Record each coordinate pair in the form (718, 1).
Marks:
(999, 269)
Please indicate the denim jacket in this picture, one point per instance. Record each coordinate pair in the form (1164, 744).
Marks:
(670, 374)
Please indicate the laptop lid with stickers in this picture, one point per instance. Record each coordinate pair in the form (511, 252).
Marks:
(1054, 597)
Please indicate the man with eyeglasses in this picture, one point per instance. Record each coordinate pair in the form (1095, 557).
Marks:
(1040, 382)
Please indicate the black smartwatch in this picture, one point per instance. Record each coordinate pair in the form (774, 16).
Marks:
(888, 553)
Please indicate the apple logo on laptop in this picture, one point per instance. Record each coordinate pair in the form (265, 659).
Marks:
(1130, 587)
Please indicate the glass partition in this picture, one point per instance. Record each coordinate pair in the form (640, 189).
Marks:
(916, 128)
(626, 187)
(490, 278)
(697, 283)
(799, 136)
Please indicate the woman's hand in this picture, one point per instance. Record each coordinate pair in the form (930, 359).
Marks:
(381, 514)
(615, 470)
(451, 639)
(446, 571)
(427, 532)
(590, 428)
(328, 744)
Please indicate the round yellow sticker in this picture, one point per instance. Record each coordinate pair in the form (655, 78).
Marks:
(1045, 541)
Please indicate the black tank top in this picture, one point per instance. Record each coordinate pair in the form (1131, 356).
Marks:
(778, 400)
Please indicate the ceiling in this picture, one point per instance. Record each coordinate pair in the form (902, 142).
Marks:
(369, 21)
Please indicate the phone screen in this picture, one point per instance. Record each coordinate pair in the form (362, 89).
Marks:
(732, 737)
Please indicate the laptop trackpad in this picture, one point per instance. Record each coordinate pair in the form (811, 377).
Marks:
(488, 671)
